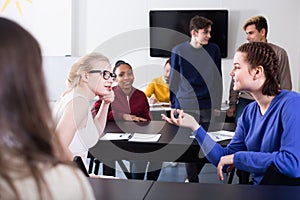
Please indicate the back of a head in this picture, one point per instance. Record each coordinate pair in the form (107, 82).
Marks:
(25, 117)
(23, 96)
(259, 21)
(199, 22)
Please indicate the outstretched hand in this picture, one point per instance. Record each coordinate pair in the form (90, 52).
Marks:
(180, 118)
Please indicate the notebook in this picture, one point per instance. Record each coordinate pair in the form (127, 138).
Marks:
(132, 137)
(142, 137)
(116, 136)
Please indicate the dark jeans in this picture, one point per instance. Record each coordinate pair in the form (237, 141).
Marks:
(193, 169)
(153, 175)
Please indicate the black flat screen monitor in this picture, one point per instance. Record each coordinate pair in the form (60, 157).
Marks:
(163, 40)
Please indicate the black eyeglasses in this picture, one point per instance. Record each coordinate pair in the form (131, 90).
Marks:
(105, 74)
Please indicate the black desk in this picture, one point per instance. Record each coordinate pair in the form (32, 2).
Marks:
(174, 191)
(114, 189)
(136, 189)
(175, 143)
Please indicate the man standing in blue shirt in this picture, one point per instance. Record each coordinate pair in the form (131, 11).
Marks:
(196, 79)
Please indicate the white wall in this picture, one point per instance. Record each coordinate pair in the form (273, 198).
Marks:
(56, 69)
(119, 29)
(121, 24)
(48, 21)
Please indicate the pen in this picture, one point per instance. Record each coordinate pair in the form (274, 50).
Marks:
(225, 135)
(130, 136)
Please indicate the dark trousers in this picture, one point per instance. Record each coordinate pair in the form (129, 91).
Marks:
(153, 175)
(193, 169)
(138, 169)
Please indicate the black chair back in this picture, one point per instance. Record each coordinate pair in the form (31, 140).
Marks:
(80, 165)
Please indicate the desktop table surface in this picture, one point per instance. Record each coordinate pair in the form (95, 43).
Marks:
(191, 191)
(152, 190)
(105, 188)
(174, 144)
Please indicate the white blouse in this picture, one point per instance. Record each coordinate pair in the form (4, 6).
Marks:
(62, 181)
(84, 138)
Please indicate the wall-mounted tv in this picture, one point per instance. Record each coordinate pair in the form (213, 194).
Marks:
(163, 40)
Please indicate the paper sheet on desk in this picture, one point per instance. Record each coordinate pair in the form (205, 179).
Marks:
(116, 136)
(143, 137)
(159, 104)
(221, 135)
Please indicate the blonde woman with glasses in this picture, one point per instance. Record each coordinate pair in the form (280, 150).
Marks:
(89, 77)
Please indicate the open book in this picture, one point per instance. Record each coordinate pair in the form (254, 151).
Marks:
(116, 136)
(160, 104)
(142, 137)
(132, 137)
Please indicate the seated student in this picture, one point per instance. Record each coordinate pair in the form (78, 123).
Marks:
(267, 131)
(31, 160)
(158, 89)
(130, 104)
(77, 130)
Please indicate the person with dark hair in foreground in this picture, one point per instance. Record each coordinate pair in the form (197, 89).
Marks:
(32, 160)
